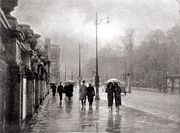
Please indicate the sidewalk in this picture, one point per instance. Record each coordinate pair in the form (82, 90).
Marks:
(53, 117)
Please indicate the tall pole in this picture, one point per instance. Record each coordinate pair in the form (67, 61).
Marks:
(97, 75)
(59, 56)
(125, 72)
(65, 74)
(79, 78)
(72, 75)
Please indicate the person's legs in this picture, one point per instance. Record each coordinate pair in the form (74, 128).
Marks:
(60, 96)
(54, 93)
(110, 108)
(90, 103)
(69, 99)
(85, 100)
(82, 103)
(117, 108)
(90, 99)
(66, 98)
(117, 99)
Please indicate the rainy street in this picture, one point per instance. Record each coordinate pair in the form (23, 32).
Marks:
(53, 117)
(123, 54)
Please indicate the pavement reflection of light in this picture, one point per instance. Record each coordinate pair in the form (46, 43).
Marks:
(54, 117)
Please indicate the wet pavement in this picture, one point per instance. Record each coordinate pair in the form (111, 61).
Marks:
(54, 117)
(165, 105)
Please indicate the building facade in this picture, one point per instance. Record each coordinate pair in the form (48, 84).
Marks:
(24, 70)
(54, 55)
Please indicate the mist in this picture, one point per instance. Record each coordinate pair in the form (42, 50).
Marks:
(76, 18)
(70, 22)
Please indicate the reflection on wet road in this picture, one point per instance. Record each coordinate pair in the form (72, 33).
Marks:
(56, 117)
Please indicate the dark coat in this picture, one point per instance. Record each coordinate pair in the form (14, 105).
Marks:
(69, 90)
(90, 93)
(117, 92)
(60, 89)
(53, 88)
(110, 96)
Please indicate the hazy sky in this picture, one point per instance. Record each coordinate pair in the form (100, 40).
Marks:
(75, 18)
(68, 22)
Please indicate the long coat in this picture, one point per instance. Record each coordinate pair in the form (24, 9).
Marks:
(82, 92)
(90, 93)
(60, 89)
(117, 92)
(69, 91)
(53, 89)
(110, 96)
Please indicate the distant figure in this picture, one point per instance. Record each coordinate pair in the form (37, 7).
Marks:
(90, 94)
(60, 90)
(83, 93)
(110, 97)
(53, 87)
(69, 92)
(117, 92)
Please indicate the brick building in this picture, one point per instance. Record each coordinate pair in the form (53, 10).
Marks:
(24, 70)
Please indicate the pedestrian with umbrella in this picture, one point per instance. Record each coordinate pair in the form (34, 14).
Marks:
(110, 96)
(60, 91)
(68, 89)
(65, 91)
(114, 91)
(53, 87)
(90, 94)
(117, 92)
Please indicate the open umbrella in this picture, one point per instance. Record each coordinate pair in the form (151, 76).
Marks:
(112, 81)
(68, 82)
(120, 83)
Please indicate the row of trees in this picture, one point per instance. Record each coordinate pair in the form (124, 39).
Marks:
(157, 57)
(149, 63)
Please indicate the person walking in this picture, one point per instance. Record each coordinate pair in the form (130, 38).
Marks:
(60, 91)
(69, 92)
(66, 91)
(53, 87)
(117, 92)
(83, 93)
(110, 96)
(90, 94)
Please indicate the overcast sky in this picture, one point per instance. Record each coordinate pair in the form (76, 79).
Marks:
(75, 18)
(68, 22)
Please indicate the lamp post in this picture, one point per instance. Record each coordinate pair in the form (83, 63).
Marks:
(98, 21)
(80, 77)
(65, 73)
(72, 75)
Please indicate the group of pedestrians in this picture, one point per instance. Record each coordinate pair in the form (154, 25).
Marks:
(86, 92)
(67, 89)
(113, 91)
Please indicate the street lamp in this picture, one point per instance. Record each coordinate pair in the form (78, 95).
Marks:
(98, 22)
(65, 73)
(79, 77)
